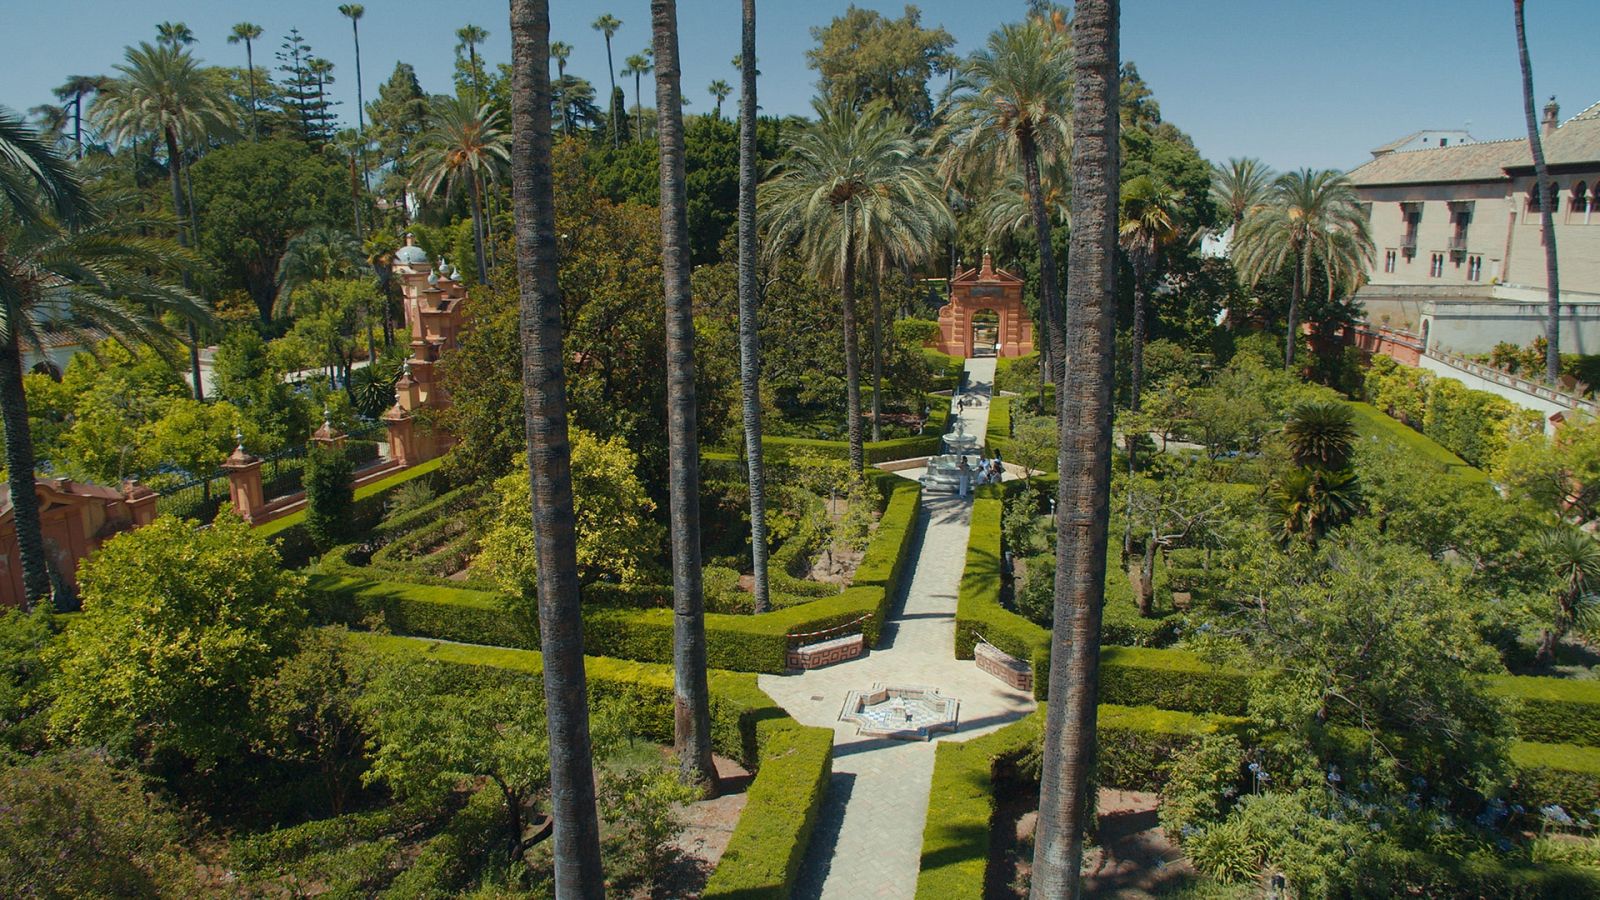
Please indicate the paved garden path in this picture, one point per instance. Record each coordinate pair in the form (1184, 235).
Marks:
(868, 839)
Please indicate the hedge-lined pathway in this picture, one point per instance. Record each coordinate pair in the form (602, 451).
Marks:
(868, 839)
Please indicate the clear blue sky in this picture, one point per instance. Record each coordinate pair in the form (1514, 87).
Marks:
(1296, 83)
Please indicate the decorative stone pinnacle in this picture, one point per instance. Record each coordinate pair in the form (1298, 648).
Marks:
(327, 417)
(238, 436)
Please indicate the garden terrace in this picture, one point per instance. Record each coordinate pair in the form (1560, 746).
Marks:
(627, 621)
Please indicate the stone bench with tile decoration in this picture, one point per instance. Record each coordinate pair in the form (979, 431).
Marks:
(826, 653)
(1002, 665)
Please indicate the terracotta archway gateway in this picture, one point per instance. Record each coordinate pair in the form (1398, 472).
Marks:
(985, 289)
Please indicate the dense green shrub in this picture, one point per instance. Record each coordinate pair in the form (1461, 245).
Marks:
(979, 615)
(329, 495)
(1473, 425)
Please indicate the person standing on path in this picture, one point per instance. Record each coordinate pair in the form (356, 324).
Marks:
(966, 476)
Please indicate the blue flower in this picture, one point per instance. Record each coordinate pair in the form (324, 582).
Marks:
(1556, 814)
(1333, 776)
(1517, 808)
(1255, 767)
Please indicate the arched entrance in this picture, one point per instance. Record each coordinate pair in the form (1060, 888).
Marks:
(985, 332)
(985, 315)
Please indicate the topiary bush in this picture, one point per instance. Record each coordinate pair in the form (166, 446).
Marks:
(330, 492)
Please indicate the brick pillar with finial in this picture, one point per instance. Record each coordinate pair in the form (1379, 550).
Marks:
(244, 481)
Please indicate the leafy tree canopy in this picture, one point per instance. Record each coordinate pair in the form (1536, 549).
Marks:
(176, 624)
(864, 56)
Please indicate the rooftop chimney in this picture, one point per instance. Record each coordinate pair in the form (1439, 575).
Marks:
(1552, 117)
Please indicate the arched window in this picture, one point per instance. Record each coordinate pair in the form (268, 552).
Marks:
(1580, 199)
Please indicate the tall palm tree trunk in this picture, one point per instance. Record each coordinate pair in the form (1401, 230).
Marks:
(691, 699)
(1547, 227)
(361, 113)
(638, 111)
(611, 70)
(572, 796)
(20, 464)
(77, 126)
(852, 355)
(749, 323)
(1049, 284)
(250, 63)
(1065, 802)
(477, 230)
(1296, 294)
(877, 351)
(175, 176)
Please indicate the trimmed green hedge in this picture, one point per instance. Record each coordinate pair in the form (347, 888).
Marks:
(768, 845)
(634, 622)
(1564, 774)
(1170, 679)
(1370, 422)
(978, 610)
(1136, 742)
(791, 761)
(1553, 710)
(955, 838)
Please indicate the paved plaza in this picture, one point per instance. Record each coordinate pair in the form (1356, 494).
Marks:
(868, 838)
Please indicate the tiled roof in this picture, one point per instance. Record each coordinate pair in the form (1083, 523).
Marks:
(1397, 142)
(1483, 161)
(1577, 141)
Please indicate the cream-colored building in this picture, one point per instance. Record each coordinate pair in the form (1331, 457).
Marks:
(1456, 230)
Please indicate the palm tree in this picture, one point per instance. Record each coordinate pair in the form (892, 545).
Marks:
(1008, 108)
(560, 51)
(720, 90)
(851, 189)
(691, 697)
(1321, 434)
(1241, 187)
(572, 797)
(163, 92)
(749, 318)
(75, 89)
(638, 65)
(247, 33)
(1312, 218)
(470, 37)
(1150, 223)
(354, 12)
(1308, 503)
(464, 146)
(30, 172)
(1546, 192)
(1084, 437)
(100, 270)
(608, 25)
(317, 254)
(1006, 210)
(1572, 557)
(51, 122)
(174, 34)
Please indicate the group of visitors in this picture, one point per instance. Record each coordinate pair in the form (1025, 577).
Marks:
(985, 471)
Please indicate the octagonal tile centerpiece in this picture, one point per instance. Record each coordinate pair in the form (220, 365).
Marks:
(901, 712)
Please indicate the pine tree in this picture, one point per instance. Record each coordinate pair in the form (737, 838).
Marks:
(303, 102)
